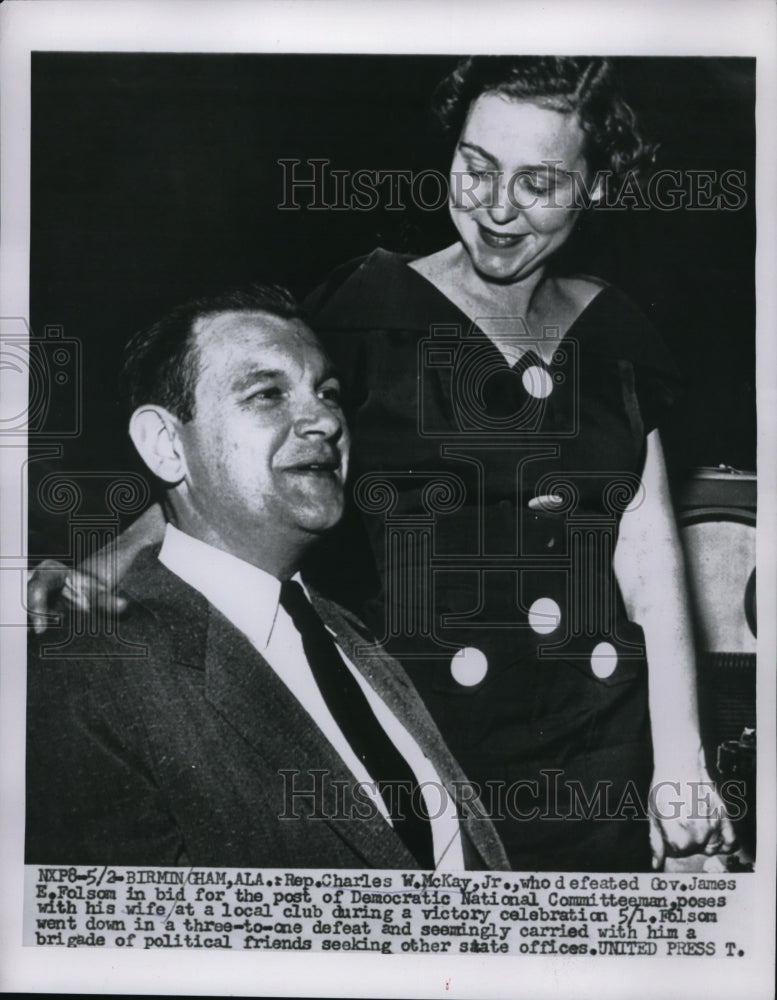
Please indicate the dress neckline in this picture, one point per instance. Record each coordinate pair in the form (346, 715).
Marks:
(475, 331)
(380, 291)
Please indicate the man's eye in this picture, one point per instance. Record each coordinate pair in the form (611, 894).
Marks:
(331, 393)
(268, 394)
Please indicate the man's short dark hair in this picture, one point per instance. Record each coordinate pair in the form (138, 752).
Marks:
(161, 362)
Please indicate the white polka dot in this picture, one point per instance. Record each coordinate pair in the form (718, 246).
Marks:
(544, 615)
(604, 659)
(469, 666)
(537, 382)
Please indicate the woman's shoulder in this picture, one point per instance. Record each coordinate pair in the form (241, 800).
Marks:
(581, 288)
(379, 290)
(435, 265)
(613, 324)
(366, 269)
(616, 314)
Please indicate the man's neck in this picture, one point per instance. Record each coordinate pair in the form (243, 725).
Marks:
(245, 594)
(280, 557)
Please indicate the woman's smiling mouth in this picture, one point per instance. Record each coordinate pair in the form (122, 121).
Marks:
(500, 241)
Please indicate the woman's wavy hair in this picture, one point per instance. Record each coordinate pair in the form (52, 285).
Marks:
(586, 86)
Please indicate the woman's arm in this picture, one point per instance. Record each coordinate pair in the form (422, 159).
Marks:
(96, 579)
(687, 815)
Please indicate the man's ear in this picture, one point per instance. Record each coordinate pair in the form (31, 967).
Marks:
(154, 432)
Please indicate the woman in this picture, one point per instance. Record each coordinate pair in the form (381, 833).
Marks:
(532, 399)
(511, 505)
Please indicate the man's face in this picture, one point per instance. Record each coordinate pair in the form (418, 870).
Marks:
(267, 449)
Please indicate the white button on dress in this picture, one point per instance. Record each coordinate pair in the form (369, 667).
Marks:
(544, 615)
(469, 666)
(537, 382)
(604, 660)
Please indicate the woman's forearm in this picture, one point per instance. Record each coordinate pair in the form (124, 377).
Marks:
(148, 529)
(651, 573)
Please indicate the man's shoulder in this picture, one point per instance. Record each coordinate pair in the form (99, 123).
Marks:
(85, 657)
(160, 615)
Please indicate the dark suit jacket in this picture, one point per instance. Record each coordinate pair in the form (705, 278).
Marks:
(173, 751)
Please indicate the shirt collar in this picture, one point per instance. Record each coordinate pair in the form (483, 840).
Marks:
(246, 595)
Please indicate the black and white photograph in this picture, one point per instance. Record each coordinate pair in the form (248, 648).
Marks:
(388, 494)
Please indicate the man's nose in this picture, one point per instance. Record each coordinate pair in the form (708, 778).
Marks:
(318, 418)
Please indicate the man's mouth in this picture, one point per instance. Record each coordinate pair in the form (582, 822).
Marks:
(500, 241)
(320, 467)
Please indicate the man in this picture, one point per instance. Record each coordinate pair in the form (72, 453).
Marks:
(231, 721)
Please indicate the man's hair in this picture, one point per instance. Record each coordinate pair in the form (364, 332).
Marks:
(161, 363)
(583, 85)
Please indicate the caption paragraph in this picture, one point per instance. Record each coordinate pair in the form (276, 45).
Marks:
(385, 912)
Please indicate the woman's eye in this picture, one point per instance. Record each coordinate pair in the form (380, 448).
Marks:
(532, 183)
(480, 169)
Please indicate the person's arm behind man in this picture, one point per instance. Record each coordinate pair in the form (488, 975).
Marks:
(96, 580)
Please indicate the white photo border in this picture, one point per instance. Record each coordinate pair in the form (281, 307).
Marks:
(683, 28)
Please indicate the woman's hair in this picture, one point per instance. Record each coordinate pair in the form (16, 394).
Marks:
(583, 85)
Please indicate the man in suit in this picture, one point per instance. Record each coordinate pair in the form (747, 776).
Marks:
(233, 718)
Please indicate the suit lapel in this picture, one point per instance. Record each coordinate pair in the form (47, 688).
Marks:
(246, 691)
(397, 691)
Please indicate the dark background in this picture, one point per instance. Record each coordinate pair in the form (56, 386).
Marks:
(155, 179)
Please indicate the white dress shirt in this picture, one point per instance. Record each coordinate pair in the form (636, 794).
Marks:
(249, 598)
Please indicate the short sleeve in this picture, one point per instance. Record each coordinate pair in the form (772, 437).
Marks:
(617, 329)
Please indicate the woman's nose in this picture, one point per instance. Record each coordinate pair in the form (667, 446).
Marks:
(503, 206)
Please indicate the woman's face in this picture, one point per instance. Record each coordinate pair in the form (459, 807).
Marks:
(512, 189)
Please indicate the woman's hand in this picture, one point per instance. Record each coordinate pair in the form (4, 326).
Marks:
(93, 584)
(45, 583)
(86, 588)
(687, 815)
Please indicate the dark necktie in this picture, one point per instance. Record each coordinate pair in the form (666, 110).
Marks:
(352, 713)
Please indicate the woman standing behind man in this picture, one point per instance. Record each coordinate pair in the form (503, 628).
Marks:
(504, 422)
(511, 504)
